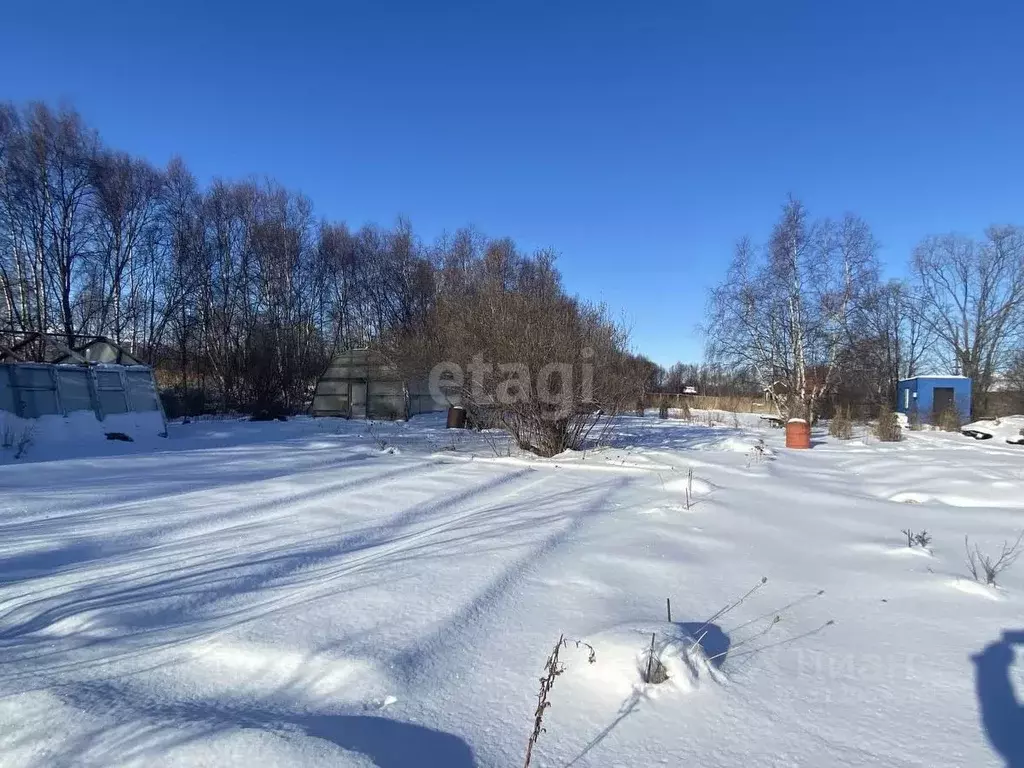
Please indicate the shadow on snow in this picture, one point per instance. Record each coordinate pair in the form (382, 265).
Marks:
(1002, 713)
(388, 743)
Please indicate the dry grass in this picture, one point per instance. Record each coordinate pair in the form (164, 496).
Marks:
(914, 420)
(888, 427)
(841, 425)
(732, 404)
(950, 420)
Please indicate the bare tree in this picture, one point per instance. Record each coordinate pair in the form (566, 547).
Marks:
(128, 196)
(784, 313)
(972, 298)
(886, 342)
(1015, 373)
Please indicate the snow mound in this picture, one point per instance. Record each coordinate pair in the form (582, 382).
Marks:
(974, 588)
(956, 499)
(910, 497)
(622, 655)
(1008, 428)
(697, 486)
(225, 669)
(739, 445)
(889, 550)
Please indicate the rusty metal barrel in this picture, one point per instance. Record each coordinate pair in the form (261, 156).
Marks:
(456, 418)
(798, 434)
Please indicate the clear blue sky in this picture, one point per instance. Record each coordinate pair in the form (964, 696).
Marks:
(637, 139)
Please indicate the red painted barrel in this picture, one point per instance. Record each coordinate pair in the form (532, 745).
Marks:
(798, 434)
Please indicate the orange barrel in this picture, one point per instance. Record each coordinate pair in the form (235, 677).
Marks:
(456, 418)
(798, 434)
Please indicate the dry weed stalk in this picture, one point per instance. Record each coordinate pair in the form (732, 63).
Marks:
(553, 667)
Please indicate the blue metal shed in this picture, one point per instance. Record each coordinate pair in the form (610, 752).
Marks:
(931, 395)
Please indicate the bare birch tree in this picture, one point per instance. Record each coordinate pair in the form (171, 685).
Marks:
(783, 313)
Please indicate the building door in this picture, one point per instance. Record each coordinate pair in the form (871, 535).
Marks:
(357, 401)
(942, 400)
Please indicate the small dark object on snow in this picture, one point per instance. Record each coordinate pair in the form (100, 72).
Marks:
(282, 417)
(456, 418)
(655, 672)
(119, 436)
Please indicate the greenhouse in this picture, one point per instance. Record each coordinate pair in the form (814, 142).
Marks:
(76, 399)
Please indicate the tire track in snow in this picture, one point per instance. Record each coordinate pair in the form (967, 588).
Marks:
(160, 579)
(288, 499)
(148, 639)
(102, 513)
(324, 585)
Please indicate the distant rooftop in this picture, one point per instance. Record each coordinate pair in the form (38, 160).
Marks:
(935, 376)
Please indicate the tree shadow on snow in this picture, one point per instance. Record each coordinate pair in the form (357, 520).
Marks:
(1002, 713)
(391, 743)
(46, 562)
(163, 724)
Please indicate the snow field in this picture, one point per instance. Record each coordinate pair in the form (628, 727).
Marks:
(291, 594)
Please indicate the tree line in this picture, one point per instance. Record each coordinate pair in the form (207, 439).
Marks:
(808, 317)
(238, 294)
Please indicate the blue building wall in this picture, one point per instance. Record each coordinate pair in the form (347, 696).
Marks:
(919, 392)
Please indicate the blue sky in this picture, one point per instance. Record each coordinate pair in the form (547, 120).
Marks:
(639, 140)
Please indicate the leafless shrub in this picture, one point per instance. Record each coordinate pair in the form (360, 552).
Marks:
(663, 408)
(683, 405)
(497, 442)
(18, 439)
(949, 420)
(989, 567)
(888, 427)
(914, 420)
(553, 667)
(374, 433)
(733, 605)
(841, 425)
(757, 453)
(24, 441)
(549, 386)
(773, 619)
(920, 539)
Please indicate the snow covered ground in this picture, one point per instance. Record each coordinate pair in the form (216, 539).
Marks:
(317, 593)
